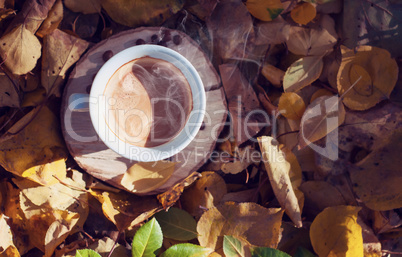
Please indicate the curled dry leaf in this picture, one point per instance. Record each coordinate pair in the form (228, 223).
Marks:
(280, 171)
(60, 52)
(303, 13)
(265, 10)
(20, 50)
(124, 209)
(85, 7)
(37, 152)
(291, 105)
(335, 232)
(302, 73)
(382, 164)
(172, 195)
(7, 247)
(321, 117)
(318, 40)
(9, 93)
(136, 13)
(206, 193)
(52, 21)
(224, 220)
(366, 76)
(143, 177)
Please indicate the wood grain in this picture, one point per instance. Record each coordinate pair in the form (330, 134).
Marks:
(94, 156)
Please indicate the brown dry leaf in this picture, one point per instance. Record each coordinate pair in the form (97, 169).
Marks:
(224, 220)
(136, 13)
(320, 195)
(367, 75)
(273, 74)
(7, 246)
(37, 152)
(291, 105)
(279, 173)
(143, 177)
(292, 238)
(60, 52)
(20, 50)
(382, 164)
(321, 117)
(124, 209)
(318, 40)
(242, 103)
(18, 221)
(335, 232)
(34, 98)
(85, 7)
(371, 244)
(53, 212)
(244, 157)
(206, 193)
(53, 20)
(6, 13)
(302, 73)
(172, 195)
(273, 32)
(32, 15)
(265, 10)
(9, 91)
(231, 27)
(303, 13)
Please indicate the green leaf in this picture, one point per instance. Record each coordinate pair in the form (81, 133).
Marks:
(302, 73)
(267, 252)
(303, 252)
(147, 240)
(187, 250)
(234, 247)
(86, 253)
(177, 224)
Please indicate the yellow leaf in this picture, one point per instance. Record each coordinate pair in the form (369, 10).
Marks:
(302, 73)
(320, 92)
(53, 20)
(60, 52)
(37, 151)
(7, 247)
(259, 226)
(279, 172)
(291, 105)
(135, 13)
(303, 13)
(206, 192)
(376, 179)
(321, 117)
(143, 177)
(335, 232)
(125, 209)
(86, 7)
(366, 76)
(20, 50)
(265, 10)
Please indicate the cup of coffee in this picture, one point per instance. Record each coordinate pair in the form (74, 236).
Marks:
(146, 103)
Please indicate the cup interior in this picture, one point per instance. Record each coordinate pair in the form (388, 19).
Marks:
(98, 104)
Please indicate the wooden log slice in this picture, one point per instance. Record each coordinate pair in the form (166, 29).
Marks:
(93, 155)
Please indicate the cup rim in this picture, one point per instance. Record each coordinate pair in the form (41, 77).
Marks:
(192, 125)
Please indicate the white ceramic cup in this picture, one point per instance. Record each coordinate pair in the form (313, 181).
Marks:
(98, 104)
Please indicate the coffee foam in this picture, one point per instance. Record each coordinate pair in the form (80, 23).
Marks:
(152, 102)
